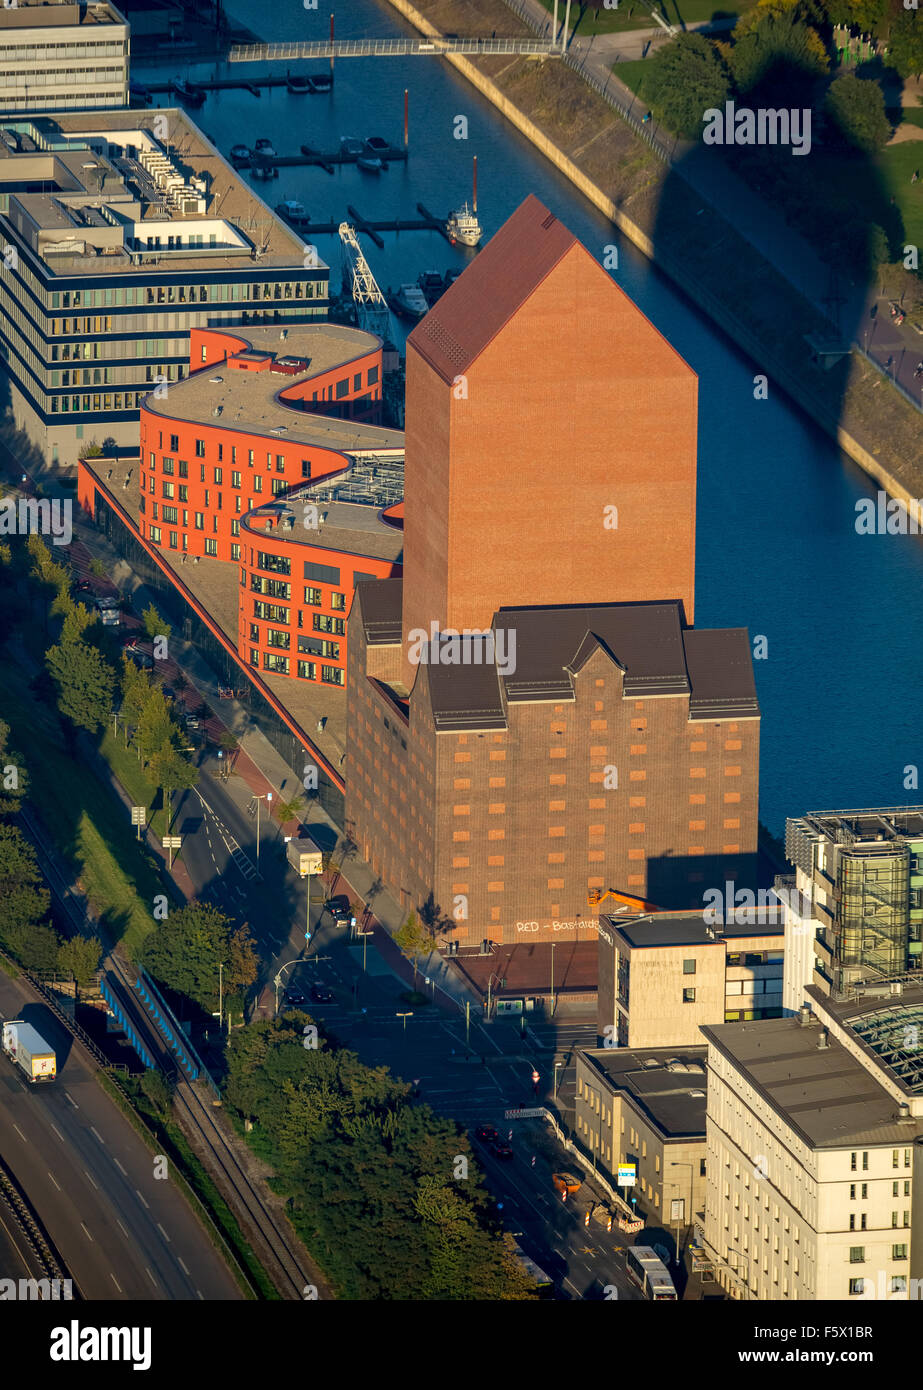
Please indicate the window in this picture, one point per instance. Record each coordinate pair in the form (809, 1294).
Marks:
(324, 574)
(323, 623)
(305, 468)
(235, 552)
(856, 1286)
(211, 547)
(857, 1254)
(898, 1283)
(338, 601)
(372, 376)
(219, 474)
(155, 536)
(235, 479)
(169, 514)
(168, 489)
(688, 996)
(333, 675)
(183, 468)
(277, 637)
(314, 596)
(275, 564)
(280, 463)
(199, 521)
(200, 450)
(307, 670)
(272, 661)
(865, 1161)
(852, 1156)
(688, 967)
(174, 443)
(167, 466)
(898, 1252)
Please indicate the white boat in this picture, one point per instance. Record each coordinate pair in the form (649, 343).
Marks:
(294, 212)
(464, 227)
(370, 163)
(350, 145)
(240, 152)
(264, 147)
(410, 300)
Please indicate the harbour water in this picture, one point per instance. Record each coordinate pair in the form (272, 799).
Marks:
(778, 551)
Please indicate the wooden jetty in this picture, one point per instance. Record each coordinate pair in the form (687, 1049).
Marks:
(316, 83)
(317, 158)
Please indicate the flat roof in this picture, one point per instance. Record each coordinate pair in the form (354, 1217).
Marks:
(223, 396)
(879, 828)
(885, 1018)
(39, 14)
(350, 527)
(824, 1093)
(667, 1083)
(243, 208)
(691, 929)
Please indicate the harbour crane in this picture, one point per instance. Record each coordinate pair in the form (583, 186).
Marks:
(372, 312)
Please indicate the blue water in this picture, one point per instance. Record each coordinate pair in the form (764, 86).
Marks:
(777, 549)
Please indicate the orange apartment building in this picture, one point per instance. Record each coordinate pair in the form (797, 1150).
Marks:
(270, 456)
(596, 739)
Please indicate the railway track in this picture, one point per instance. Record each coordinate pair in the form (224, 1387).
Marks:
(52, 1270)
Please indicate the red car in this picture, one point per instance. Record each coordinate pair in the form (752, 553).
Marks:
(502, 1149)
(486, 1134)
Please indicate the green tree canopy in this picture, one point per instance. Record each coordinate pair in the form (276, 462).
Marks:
(79, 957)
(778, 49)
(856, 111)
(85, 682)
(154, 624)
(24, 904)
(14, 780)
(686, 78)
(184, 952)
(905, 46)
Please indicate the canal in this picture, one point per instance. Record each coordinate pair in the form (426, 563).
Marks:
(777, 550)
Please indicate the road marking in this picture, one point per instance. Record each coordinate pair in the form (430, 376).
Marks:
(150, 1276)
(142, 1199)
(20, 1133)
(54, 1180)
(163, 1232)
(123, 1171)
(183, 1267)
(199, 1294)
(98, 1136)
(115, 1281)
(122, 1229)
(72, 1101)
(86, 1232)
(58, 1133)
(574, 1287)
(95, 1184)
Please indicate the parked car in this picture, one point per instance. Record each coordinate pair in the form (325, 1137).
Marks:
(486, 1134)
(294, 996)
(566, 1183)
(140, 658)
(83, 586)
(502, 1149)
(339, 907)
(192, 721)
(321, 995)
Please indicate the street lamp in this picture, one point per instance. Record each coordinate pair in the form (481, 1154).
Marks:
(268, 799)
(680, 1248)
(403, 1016)
(554, 1097)
(553, 944)
(278, 980)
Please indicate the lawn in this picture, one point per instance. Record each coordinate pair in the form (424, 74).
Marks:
(897, 164)
(631, 73)
(125, 765)
(631, 14)
(87, 824)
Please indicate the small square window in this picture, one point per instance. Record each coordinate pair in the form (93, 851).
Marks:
(688, 967)
(688, 996)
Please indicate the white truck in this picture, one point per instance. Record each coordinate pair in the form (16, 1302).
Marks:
(29, 1050)
(304, 856)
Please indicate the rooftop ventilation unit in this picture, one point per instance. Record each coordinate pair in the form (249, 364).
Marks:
(214, 380)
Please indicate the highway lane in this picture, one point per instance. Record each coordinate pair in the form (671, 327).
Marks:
(121, 1231)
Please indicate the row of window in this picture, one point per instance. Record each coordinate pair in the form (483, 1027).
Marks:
(117, 297)
(307, 670)
(119, 400)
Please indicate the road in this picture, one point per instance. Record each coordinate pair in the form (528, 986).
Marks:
(122, 1233)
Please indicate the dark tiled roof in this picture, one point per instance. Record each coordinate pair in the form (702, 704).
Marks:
(494, 286)
(721, 672)
(380, 605)
(466, 697)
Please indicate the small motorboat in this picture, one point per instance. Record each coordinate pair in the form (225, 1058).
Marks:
(377, 145)
(240, 153)
(263, 147)
(299, 85)
(463, 226)
(264, 171)
(411, 302)
(349, 145)
(185, 90)
(293, 212)
(323, 82)
(370, 163)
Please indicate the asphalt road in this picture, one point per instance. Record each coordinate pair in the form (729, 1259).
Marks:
(122, 1233)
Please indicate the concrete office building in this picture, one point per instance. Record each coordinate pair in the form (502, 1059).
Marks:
(662, 976)
(813, 1163)
(596, 739)
(125, 230)
(647, 1108)
(855, 905)
(58, 55)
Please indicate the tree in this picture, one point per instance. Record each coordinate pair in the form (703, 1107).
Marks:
(156, 732)
(79, 957)
(905, 47)
(779, 50)
(24, 904)
(686, 78)
(14, 780)
(172, 772)
(856, 111)
(154, 624)
(414, 940)
(157, 1092)
(85, 682)
(289, 810)
(437, 922)
(185, 950)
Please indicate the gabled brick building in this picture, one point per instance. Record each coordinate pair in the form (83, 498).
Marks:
(596, 740)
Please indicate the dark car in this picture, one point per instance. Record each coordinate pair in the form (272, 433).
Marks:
(321, 995)
(192, 721)
(486, 1133)
(294, 996)
(140, 658)
(84, 586)
(339, 907)
(502, 1149)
